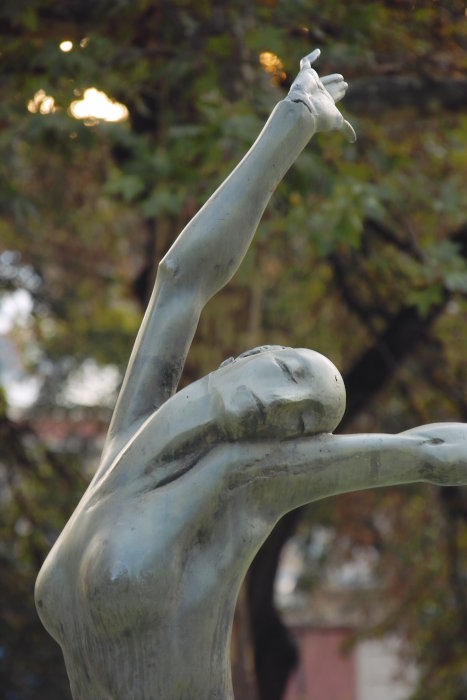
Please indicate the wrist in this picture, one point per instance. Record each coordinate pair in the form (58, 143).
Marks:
(298, 117)
(299, 96)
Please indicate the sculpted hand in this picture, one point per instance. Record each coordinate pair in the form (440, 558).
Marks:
(320, 96)
(443, 449)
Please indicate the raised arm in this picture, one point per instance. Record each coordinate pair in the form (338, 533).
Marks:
(209, 250)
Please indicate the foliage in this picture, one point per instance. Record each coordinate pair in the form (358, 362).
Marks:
(356, 237)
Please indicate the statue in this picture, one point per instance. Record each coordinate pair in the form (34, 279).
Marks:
(140, 588)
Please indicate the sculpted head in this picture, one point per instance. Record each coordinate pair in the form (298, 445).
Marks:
(278, 392)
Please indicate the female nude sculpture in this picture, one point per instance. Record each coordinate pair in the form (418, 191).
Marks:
(140, 588)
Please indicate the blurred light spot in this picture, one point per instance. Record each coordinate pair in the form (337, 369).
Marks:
(66, 46)
(15, 310)
(273, 65)
(23, 527)
(45, 104)
(91, 385)
(95, 106)
(84, 42)
(453, 307)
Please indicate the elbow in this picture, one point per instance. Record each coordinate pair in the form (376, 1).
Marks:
(172, 275)
(174, 282)
(169, 268)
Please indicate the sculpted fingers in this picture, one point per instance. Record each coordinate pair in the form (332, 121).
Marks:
(335, 85)
(320, 96)
(309, 59)
(333, 78)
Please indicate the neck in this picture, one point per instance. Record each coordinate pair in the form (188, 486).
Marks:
(171, 440)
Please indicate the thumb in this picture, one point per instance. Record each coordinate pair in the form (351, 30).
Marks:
(348, 131)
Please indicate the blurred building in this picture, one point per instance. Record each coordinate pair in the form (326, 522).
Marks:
(336, 661)
(332, 667)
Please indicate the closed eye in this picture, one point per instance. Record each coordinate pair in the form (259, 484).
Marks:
(286, 370)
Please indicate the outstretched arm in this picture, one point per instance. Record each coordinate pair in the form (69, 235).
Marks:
(209, 250)
(274, 478)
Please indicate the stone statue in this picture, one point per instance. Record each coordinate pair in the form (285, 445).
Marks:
(140, 588)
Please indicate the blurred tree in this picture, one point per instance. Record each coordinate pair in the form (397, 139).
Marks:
(361, 255)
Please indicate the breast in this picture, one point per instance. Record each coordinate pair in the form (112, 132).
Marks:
(130, 567)
(114, 589)
(51, 596)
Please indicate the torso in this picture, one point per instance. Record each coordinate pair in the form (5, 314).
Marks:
(140, 581)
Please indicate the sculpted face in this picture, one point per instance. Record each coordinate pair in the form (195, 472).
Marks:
(279, 392)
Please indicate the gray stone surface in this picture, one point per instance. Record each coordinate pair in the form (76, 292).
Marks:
(140, 588)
